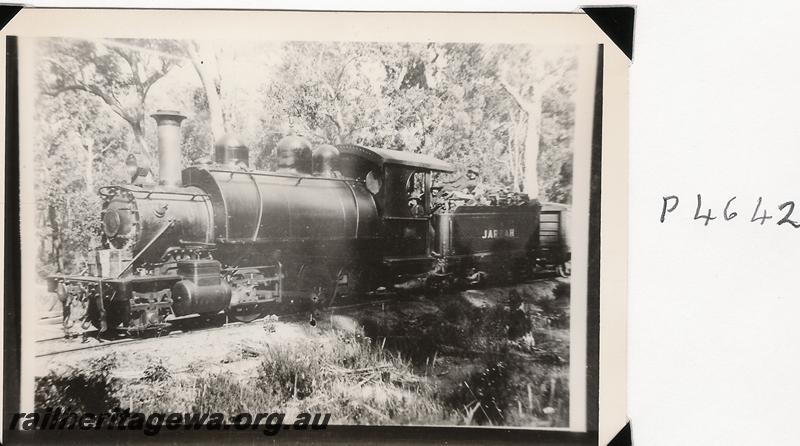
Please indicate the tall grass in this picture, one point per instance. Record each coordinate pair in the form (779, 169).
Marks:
(88, 388)
(362, 382)
(448, 362)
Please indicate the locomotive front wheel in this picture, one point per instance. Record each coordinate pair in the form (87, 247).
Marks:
(565, 269)
(115, 315)
(244, 315)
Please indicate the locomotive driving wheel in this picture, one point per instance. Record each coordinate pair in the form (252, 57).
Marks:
(321, 286)
(320, 283)
(248, 309)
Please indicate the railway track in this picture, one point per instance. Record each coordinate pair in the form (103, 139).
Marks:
(188, 327)
(180, 333)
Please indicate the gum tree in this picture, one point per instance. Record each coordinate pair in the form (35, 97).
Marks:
(120, 72)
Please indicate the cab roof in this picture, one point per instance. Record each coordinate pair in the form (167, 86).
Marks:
(396, 157)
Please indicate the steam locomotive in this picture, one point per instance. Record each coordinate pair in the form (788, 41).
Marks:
(220, 236)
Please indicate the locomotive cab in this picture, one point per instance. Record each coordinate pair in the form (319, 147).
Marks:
(401, 184)
(441, 245)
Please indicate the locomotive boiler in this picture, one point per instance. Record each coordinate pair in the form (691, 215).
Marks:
(221, 236)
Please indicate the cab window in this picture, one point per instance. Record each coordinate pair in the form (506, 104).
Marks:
(373, 181)
(415, 194)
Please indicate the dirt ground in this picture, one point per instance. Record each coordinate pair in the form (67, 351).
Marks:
(475, 357)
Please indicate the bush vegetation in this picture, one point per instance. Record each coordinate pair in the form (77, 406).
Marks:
(450, 364)
(90, 388)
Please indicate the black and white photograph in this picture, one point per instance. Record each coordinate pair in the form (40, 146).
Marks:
(377, 232)
(434, 222)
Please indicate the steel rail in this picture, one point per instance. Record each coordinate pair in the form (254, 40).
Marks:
(189, 332)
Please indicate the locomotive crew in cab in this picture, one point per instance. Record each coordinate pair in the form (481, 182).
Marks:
(465, 188)
(463, 184)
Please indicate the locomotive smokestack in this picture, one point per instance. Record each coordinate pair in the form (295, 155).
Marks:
(169, 146)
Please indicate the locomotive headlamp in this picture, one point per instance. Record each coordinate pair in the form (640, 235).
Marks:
(111, 222)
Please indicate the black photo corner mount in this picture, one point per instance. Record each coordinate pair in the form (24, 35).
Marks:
(8, 12)
(623, 437)
(617, 22)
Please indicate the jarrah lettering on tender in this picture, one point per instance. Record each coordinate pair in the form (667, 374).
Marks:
(499, 233)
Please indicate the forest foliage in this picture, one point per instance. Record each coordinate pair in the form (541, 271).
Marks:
(508, 109)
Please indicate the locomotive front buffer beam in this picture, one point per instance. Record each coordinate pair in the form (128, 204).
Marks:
(137, 302)
(144, 302)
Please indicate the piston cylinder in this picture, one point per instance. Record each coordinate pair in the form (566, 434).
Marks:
(202, 290)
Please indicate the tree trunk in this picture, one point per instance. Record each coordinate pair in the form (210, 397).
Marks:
(138, 135)
(216, 117)
(512, 151)
(201, 63)
(532, 136)
(55, 238)
(339, 125)
(88, 165)
(532, 109)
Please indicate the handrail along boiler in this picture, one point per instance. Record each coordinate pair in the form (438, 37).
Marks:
(222, 236)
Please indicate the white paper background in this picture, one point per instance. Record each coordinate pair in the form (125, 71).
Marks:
(714, 311)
